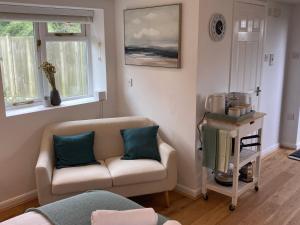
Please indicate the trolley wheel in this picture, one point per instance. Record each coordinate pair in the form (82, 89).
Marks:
(256, 188)
(205, 196)
(232, 207)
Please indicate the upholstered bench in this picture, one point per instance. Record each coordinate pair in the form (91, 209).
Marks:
(76, 210)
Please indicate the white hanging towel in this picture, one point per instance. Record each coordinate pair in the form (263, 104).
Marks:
(224, 150)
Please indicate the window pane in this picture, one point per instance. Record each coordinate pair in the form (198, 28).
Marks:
(54, 27)
(18, 61)
(70, 60)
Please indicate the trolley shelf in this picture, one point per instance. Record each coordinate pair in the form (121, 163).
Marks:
(214, 186)
(247, 156)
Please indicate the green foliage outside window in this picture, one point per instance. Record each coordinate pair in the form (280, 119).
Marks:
(55, 27)
(16, 28)
(24, 29)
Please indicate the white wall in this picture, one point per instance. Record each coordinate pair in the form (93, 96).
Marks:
(273, 76)
(159, 88)
(167, 96)
(214, 57)
(20, 136)
(290, 135)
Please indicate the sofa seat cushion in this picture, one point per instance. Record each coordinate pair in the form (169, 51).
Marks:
(125, 172)
(79, 179)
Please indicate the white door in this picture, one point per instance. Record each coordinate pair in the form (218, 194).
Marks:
(247, 50)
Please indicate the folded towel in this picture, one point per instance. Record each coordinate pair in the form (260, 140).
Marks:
(210, 145)
(172, 222)
(224, 150)
(129, 217)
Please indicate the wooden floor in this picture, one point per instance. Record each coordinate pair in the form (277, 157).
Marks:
(277, 202)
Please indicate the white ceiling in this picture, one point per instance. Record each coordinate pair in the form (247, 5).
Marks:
(289, 1)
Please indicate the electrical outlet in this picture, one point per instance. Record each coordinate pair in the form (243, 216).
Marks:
(291, 116)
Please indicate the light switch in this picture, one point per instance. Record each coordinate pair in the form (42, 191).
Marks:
(266, 59)
(130, 82)
(271, 60)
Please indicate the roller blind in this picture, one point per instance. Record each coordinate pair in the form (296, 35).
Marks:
(44, 14)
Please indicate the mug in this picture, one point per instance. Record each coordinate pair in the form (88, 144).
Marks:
(243, 109)
(234, 112)
(216, 103)
(248, 108)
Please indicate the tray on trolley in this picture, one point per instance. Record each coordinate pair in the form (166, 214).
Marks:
(223, 117)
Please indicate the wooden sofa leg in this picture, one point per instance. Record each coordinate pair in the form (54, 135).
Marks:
(167, 198)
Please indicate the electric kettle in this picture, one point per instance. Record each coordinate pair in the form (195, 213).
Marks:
(216, 103)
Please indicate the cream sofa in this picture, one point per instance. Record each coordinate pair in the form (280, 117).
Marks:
(127, 178)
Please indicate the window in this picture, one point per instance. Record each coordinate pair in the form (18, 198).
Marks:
(24, 45)
(67, 47)
(18, 62)
(70, 59)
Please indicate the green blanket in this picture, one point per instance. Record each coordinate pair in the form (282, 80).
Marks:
(210, 146)
(77, 210)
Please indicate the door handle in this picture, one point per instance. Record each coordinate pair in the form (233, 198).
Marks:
(258, 91)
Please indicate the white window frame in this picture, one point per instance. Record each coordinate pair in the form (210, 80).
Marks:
(39, 99)
(42, 35)
(45, 37)
(83, 32)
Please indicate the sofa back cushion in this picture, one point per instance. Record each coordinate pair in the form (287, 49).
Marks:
(108, 140)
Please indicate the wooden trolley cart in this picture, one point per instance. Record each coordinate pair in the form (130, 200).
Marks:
(240, 158)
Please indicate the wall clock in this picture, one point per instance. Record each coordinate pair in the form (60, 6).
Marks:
(217, 27)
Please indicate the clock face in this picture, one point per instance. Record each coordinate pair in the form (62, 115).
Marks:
(217, 27)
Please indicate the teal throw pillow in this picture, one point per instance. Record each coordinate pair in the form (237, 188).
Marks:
(75, 150)
(141, 143)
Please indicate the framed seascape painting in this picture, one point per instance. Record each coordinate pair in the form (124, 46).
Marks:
(153, 36)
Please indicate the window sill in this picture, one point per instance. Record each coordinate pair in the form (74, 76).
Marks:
(41, 108)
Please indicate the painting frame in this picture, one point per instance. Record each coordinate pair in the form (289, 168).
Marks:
(177, 64)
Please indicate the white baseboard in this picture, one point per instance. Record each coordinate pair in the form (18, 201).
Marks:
(270, 150)
(189, 192)
(18, 200)
(290, 145)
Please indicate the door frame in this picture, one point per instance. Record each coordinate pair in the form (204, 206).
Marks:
(263, 3)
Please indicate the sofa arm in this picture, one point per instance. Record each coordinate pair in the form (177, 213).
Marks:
(44, 169)
(169, 161)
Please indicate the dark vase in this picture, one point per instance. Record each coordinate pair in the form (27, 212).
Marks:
(55, 97)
